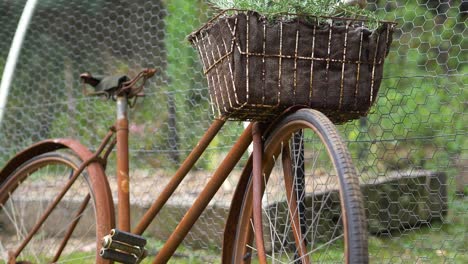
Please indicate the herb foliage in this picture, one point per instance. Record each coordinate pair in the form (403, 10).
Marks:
(275, 8)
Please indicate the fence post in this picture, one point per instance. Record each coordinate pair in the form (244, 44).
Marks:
(13, 55)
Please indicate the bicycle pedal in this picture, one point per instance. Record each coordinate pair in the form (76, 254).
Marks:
(123, 247)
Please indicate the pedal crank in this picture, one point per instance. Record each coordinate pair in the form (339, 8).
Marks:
(123, 247)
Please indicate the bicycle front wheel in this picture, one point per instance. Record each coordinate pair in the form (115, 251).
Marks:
(312, 207)
(68, 234)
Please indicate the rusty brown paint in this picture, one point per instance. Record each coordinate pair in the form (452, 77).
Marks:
(101, 193)
(233, 216)
(123, 186)
(205, 197)
(179, 176)
(258, 192)
(239, 233)
(292, 204)
(59, 197)
(72, 227)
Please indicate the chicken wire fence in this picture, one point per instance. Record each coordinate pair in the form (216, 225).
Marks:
(410, 151)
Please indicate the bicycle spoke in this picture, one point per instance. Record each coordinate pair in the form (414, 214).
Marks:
(72, 227)
(304, 192)
(324, 245)
(270, 256)
(335, 229)
(45, 211)
(276, 235)
(292, 202)
(316, 220)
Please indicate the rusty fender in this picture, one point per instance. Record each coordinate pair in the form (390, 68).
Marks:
(100, 187)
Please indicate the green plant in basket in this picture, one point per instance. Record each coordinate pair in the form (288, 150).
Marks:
(318, 8)
(264, 56)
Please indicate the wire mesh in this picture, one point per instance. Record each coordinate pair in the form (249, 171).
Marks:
(410, 152)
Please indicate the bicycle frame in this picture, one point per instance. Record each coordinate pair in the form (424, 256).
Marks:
(97, 161)
(203, 199)
(118, 136)
(250, 187)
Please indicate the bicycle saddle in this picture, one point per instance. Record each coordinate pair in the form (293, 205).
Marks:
(104, 84)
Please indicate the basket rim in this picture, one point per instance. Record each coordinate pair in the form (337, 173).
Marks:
(207, 24)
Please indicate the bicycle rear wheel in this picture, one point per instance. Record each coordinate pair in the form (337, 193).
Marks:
(69, 233)
(312, 207)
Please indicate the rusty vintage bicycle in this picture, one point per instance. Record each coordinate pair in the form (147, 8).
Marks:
(297, 200)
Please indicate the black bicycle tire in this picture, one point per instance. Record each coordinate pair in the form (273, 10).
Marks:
(356, 244)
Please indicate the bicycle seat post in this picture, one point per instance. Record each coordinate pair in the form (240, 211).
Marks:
(123, 182)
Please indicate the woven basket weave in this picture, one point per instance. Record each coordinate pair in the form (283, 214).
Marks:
(256, 68)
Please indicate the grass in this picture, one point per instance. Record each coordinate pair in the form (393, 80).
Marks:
(434, 243)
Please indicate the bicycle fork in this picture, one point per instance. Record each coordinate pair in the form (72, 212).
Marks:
(295, 192)
(257, 190)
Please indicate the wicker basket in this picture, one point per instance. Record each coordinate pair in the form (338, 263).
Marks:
(256, 68)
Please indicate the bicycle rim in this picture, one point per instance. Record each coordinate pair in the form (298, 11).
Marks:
(312, 208)
(68, 234)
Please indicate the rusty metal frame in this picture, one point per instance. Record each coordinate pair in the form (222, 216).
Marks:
(258, 188)
(244, 192)
(252, 131)
(123, 178)
(206, 195)
(180, 174)
(101, 191)
(71, 228)
(96, 164)
(293, 204)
